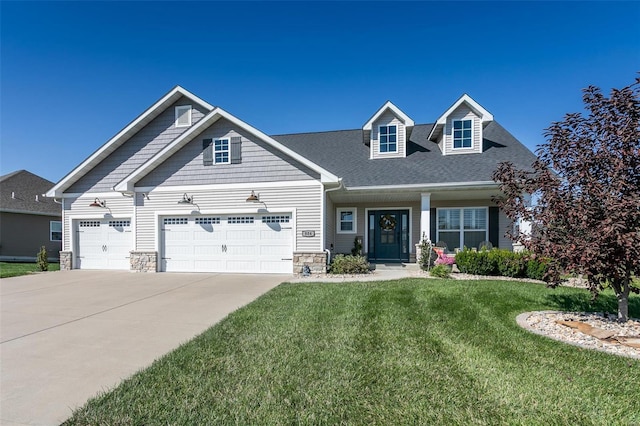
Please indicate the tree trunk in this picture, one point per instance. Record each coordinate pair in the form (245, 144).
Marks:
(623, 302)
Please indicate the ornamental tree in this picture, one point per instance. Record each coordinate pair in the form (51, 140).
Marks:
(586, 183)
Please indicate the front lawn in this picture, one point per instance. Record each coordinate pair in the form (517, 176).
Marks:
(412, 351)
(10, 269)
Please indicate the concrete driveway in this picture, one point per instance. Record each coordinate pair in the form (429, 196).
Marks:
(65, 336)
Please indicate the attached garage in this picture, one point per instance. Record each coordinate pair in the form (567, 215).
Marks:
(227, 243)
(103, 243)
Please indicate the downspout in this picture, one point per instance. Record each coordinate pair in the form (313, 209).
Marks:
(324, 202)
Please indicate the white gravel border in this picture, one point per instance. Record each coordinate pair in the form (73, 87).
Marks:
(544, 324)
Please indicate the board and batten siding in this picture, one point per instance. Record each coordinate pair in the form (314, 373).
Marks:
(77, 208)
(463, 112)
(304, 201)
(260, 163)
(137, 150)
(388, 119)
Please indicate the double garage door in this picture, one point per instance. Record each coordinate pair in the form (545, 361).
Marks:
(227, 243)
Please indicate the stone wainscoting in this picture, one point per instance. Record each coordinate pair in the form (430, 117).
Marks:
(316, 261)
(66, 260)
(144, 261)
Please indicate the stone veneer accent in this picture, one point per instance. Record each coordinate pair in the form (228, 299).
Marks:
(66, 260)
(316, 261)
(144, 261)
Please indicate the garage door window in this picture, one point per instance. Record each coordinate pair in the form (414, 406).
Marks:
(276, 219)
(174, 221)
(234, 220)
(207, 221)
(89, 223)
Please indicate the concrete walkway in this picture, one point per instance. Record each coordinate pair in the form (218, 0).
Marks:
(65, 336)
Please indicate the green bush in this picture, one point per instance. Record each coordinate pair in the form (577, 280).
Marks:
(440, 271)
(501, 262)
(349, 264)
(427, 255)
(536, 269)
(512, 264)
(483, 262)
(42, 261)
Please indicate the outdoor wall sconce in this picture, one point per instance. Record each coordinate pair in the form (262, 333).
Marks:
(186, 199)
(98, 203)
(253, 198)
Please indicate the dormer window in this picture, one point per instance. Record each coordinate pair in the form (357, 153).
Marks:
(183, 116)
(462, 134)
(388, 138)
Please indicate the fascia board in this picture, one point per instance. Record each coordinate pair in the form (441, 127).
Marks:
(476, 107)
(122, 137)
(397, 111)
(427, 187)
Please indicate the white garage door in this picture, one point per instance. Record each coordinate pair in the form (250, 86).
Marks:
(103, 244)
(227, 243)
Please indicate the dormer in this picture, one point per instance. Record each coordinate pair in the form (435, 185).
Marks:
(387, 132)
(459, 130)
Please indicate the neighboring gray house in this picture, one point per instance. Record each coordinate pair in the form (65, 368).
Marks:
(187, 186)
(28, 219)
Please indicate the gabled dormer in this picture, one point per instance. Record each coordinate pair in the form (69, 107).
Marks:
(459, 130)
(387, 132)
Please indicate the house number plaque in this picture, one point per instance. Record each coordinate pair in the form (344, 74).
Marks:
(308, 233)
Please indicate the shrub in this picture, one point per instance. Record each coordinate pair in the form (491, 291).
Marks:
(349, 264)
(440, 271)
(427, 255)
(357, 247)
(465, 260)
(512, 264)
(536, 269)
(42, 261)
(445, 260)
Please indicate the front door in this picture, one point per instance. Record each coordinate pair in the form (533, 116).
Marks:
(388, 235)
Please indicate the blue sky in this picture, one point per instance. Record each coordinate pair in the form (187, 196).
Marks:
(74, 74)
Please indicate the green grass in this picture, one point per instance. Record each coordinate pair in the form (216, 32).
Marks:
(399, 352)
(10, 269)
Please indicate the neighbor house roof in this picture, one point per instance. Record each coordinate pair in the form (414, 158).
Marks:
(22, 192)
(344, 154)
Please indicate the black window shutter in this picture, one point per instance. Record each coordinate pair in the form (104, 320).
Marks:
(494, 226)
(433, 226)
(207, 152)
(236, 150)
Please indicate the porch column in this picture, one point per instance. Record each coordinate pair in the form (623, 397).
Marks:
(425, 215)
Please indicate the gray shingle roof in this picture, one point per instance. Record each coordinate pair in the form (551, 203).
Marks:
(344, 154)
(24, 186)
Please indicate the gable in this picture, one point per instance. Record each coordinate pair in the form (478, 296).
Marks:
(260, 162)
(462, 114)
(137, 149)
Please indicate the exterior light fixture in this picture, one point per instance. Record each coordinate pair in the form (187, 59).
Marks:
(253, 198)
(186, 199)
(98, 203)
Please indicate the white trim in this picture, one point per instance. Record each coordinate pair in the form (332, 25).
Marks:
(388, 106)
(425, 215)
(461, 229)
(128, 183)
(122, 136)
(453, 139)
(485, 116)
(178, 114)
(340, 210)
(380, 142)
(230, 186)
(419, 186)
(106, 195)
(365, 244)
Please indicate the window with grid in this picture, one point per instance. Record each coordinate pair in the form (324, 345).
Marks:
(55, 230)
(463, 227)
(388, 138)
(221, 151)
(462, 134)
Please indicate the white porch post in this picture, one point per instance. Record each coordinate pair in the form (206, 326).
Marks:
(425, 216)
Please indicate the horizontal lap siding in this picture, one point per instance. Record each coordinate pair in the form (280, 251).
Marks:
(505, 225)
(305, 200)
(461, 113)
(260, 163)
(386, 119)
(135, 151)
(78, 208)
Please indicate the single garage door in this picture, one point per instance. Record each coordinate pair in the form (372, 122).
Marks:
(103, 244)
(227, 243)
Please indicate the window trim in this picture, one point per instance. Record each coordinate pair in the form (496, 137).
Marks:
(453, 139)
(461, 228)
(178, 113)
(354, 212)
(51, 231)
(380, 151)
(228, 151)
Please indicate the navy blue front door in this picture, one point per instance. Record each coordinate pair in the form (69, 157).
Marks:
(388, 235)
